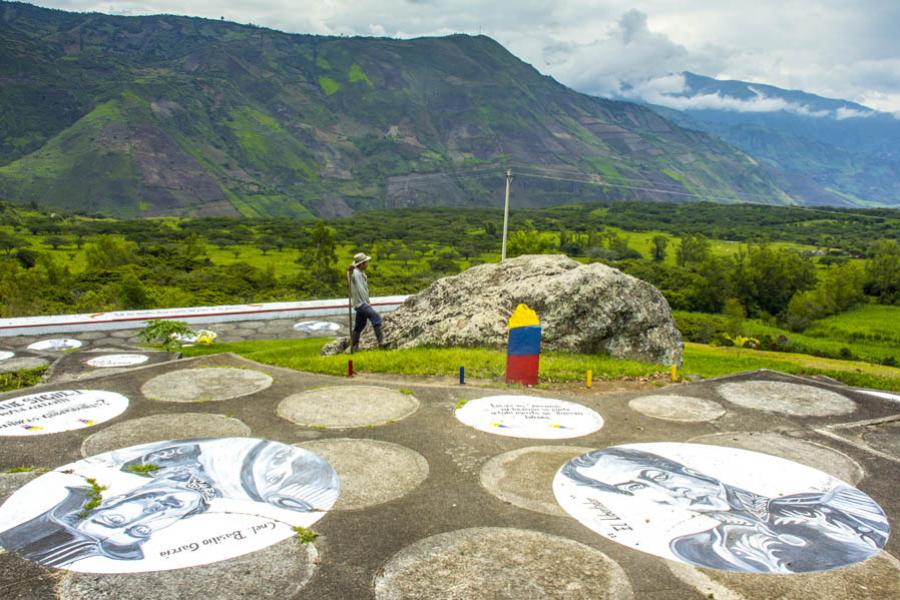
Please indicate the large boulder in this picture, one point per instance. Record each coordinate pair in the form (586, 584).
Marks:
(583, 308)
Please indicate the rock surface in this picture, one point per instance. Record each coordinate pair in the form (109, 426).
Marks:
(583, 308)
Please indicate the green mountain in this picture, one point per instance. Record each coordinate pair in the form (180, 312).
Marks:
(165, 115)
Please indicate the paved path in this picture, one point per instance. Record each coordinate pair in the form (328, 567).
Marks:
(430, 507)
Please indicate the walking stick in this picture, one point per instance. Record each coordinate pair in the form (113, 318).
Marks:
(350, 306)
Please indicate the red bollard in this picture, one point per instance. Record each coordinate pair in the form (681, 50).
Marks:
(349, 368)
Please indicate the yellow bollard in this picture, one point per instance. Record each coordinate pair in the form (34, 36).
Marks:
(590, 378)
(674, 372)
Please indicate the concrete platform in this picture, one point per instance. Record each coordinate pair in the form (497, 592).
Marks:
(433, 508)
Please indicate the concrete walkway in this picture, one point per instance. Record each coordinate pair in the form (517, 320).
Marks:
(432, 508)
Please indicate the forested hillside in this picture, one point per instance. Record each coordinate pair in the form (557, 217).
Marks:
(793, 264)
(166, 115)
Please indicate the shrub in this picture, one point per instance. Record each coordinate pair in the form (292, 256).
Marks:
(163, 332)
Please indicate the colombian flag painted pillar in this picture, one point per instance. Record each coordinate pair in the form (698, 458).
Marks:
(524, 351)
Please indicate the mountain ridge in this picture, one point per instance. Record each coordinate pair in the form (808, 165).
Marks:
(837, 145)
(160, 115)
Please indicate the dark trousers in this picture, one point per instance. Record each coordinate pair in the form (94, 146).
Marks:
(366, 313)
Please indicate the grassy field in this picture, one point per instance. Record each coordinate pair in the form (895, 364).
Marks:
(868, 332)
(479, 363)
(642, 241)
(713, 361)
(699, 359)
(868, 322)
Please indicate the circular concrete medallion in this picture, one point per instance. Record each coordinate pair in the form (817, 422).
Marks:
(210, 384)
(62, 410)
(346, 406)
(5, 354)
(117, 360)
(881, 394)
(162, 427)
(677, 408)
(494, 562)
(167, 505)
(878, 577)
(721, 508)
(274, 573)
(787, 398)
(55, 345)
(529, 417)
(837, 464)
(317, 326)
(371, 472)
(524, 477)
(21, 363)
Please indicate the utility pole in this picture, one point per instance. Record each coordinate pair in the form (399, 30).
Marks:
(505, 216)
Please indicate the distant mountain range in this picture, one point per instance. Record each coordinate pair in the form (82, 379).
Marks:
(166, 115)
(811, 142)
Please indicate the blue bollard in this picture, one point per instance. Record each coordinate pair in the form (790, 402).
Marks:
(462, 376)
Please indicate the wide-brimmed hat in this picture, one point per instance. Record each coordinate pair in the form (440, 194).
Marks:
(359, 258)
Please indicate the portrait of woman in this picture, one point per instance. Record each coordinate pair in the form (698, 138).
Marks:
(746, 531)
(163, 484)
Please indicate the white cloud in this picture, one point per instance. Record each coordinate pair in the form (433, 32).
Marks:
(672, 91)
(849, 113)
(832, 48)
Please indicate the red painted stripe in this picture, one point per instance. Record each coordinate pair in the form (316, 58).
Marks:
(522, 368)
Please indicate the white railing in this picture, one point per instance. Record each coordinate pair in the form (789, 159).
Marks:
(132, 319)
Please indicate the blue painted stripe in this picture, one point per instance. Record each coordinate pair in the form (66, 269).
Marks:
(525, 341)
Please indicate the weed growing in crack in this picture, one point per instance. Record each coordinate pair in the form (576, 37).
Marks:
(304, 535)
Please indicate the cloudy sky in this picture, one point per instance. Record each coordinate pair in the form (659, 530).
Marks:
(847, 49)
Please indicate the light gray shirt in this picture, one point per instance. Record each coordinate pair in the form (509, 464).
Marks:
(359, 288)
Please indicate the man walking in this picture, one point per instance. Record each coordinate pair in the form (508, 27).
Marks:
(359, 298)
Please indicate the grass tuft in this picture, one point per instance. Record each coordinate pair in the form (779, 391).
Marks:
(144, 469)
(304, 535)
(95, 497)
(23, 378)
(22, 469)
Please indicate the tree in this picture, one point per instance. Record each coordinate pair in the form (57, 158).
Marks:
(618, 246)
(467, 248)
(883, 272)
(9, 242)
(321, 261)
(132, 293)
(693, 248)
(405, 255)
(803, 309)
(192, 247)
(55, 241)
(528, 241)
(734, 317)
(443, 264)
(27, 257)
(714, 286)
(774, 276)
(659, 247)
(843, 287)
(268, 243)
(109, 251)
